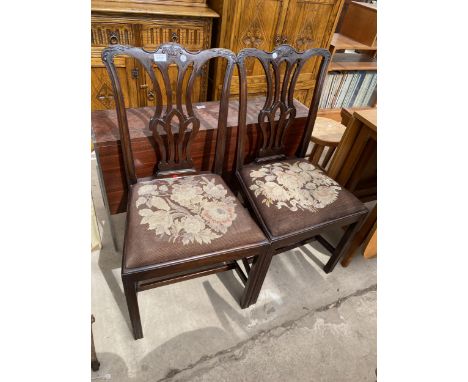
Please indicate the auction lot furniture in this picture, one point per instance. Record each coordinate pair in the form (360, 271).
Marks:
(355, 166)
(265, 24)
(145, 23)
(107, 142)
(181, 223)
(293, 201)
(327, 134)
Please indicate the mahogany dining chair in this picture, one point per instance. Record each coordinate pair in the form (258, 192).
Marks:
(181, 223)
(293, 201)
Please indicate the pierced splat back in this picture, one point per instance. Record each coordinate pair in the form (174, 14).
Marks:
(174, 125)
(279, 111)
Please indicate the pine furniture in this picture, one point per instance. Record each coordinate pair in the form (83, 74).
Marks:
(293, 201)
(181, 223)
(264, 24)
(354, 160)
(327, 135)
(354, 48)
(144, 23)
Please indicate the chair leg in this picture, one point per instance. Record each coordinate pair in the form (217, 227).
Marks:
(330, 151)
(94, 361)
(132, 305)
(257, 275)
(342, 246)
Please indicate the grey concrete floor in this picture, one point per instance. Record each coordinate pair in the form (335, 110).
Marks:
(305, 326)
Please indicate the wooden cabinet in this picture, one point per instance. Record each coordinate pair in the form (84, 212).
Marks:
(146, 23)
(263, 24)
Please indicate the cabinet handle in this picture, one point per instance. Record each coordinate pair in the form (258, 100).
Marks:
(144, 86)
(174, 37)
(114, 38)
(150, 96)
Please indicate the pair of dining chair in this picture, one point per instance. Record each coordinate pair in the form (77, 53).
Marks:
(184, 223)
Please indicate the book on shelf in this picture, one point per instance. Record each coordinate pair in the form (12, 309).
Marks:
(344, 90)
(362, 90)
(370, 91)
(349, 89)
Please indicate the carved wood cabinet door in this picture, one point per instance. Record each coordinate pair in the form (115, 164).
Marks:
(259, 25)
(251, 24)
(148, 32)
(103, 34)
(310, 24)
(263, 24)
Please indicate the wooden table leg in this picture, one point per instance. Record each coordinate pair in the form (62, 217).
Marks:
(370, 243)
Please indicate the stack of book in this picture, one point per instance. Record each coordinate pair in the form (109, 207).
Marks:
(349, 89)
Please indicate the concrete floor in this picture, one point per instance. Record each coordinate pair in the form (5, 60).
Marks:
(306, 325)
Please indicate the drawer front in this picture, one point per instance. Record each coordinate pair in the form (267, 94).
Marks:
(104, 34)
(193, 34)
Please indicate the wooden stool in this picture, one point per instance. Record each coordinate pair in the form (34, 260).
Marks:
(326, 133)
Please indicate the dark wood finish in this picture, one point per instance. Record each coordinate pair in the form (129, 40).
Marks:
(94, 361)
(279, 99)
(173, 130)
(107, 142)
(367, 229)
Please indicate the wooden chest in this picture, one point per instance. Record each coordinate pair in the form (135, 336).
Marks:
(107, 143)
(146, 24)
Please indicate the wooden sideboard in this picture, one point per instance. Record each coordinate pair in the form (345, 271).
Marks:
(108, 151)
(145, 23)
(263, 24)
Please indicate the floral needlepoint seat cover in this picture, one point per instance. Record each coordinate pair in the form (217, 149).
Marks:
(176, 218)
(294, 194)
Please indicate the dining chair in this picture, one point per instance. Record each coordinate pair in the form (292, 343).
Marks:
(181, 223)
(293, 201)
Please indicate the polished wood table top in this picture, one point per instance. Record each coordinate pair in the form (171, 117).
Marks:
(368, 117)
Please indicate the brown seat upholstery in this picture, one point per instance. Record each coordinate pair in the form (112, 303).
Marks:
(293, 195)
(184, 217)
(181, 224)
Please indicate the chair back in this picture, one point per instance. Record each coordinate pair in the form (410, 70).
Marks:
(173, 125)
(278, 111)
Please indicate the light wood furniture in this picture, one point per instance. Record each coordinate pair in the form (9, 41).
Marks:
(181, 222)
(264, 24)
(327, 134)
(358, 33)
(354, 159)
(147, 24)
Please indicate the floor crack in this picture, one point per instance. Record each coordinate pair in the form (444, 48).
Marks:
(236, 349)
